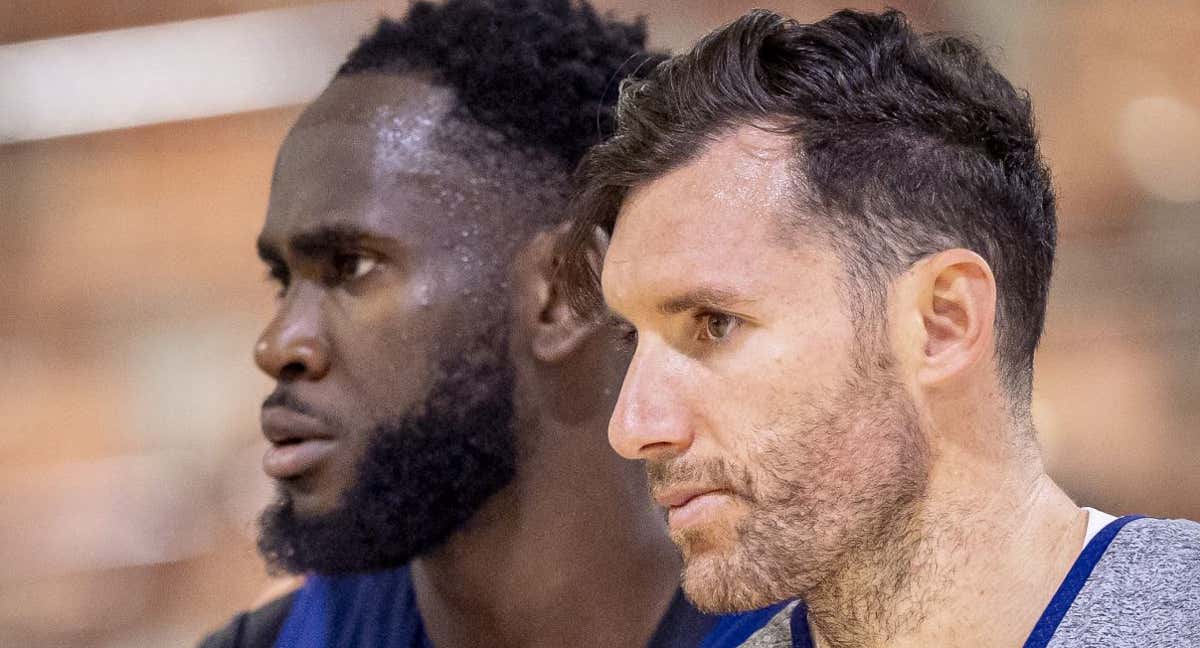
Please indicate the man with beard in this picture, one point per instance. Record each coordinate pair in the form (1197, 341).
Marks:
(437, 429)
(832, 244)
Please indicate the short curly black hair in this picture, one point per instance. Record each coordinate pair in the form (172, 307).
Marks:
(543, 72)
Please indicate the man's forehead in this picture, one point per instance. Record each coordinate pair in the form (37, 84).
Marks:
(393, 155)
(370, 152)
(380, 99)
(726, 223)
(380, 123)
(728, 203)
(744, 177)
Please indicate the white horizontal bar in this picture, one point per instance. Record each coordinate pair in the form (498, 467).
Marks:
(182, 70)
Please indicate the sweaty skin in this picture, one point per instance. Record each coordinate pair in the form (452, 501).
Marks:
(393, 245)
(373, 292)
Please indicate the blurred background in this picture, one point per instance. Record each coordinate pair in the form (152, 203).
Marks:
(136, 145)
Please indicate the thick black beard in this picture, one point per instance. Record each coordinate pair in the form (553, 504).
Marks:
(421, 478)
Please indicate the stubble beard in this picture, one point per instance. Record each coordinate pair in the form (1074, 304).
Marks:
(831, 486)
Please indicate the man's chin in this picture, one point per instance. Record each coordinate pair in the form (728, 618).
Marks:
(301, 533)
(726, 572)
(719, 535)
(297, 534)
(721, 584)
(305, 501)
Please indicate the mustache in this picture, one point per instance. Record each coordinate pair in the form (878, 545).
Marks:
(707, 472)
(281, 397)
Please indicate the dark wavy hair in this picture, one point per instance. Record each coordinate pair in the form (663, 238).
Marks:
(904, 144)
(545, 73)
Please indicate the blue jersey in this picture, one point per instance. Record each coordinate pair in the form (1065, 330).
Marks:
(379, 610)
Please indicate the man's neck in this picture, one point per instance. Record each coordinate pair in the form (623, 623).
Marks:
(571, 554)
(984, 555)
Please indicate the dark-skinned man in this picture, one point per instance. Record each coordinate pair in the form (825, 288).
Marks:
(437, 429)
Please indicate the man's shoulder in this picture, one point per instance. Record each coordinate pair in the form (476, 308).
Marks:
(1148, 551)
(1144, 591)
(1176, 532)
(256, 628)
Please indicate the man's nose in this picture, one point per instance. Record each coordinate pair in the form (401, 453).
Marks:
(292, 347)
(652, 419)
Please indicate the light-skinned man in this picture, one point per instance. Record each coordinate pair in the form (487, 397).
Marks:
(831, 245)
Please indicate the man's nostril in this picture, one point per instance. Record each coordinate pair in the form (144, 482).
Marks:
(292, 371)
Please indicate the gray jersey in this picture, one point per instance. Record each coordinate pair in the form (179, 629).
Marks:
(1135, 585)
(1144, 591)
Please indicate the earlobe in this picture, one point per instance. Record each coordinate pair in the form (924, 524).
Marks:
(957, 306)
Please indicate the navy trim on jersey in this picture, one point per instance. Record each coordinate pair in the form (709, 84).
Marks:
(732, 630)
(799, 626)
(1074, 582)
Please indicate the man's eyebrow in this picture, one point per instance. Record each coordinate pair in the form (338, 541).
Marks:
(316, 242)
(700, 299)
(324, 239)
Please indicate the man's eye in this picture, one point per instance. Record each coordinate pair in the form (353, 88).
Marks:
(717, 326)
(349, 267)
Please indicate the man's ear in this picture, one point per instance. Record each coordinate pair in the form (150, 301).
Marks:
(949, 308)
(557, 329)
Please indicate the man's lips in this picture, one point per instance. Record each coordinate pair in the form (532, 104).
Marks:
(298, 442)
(676, 496)
(282, 425)
(692, 505)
